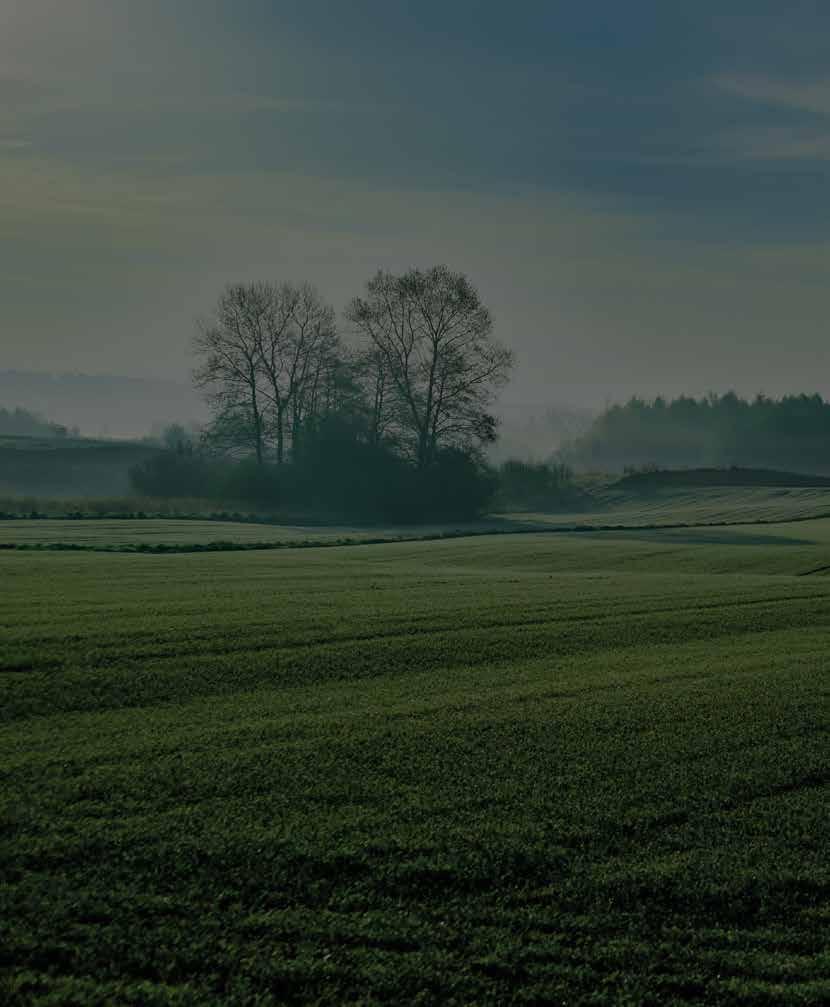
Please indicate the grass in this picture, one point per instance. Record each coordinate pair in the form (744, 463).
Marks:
(159, 531)
(622, 505)
(76, 507)
(615, 509)
(582, 768)
(193, 535)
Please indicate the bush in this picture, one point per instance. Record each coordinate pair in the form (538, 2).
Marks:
(457, 486)
(535, 485)
(250, 483)
(335, 474)
(175, 474)
(338, 472)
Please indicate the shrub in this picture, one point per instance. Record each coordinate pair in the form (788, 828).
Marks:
(175, 474)
(535, 485)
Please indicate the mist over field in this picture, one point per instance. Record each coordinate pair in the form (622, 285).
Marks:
(102, 405)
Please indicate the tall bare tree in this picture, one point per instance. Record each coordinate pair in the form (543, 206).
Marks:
(381, 405)
(298, 344)
(266, 353)
(431, 338)
(229, 344)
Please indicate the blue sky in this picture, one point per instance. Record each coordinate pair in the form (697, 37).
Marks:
(639, 189)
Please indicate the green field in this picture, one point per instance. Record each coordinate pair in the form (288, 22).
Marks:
(698, 505)
(102, 533)
(585, 768)
(610, 508)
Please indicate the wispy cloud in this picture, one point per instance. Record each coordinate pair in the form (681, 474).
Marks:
(777, 144)
(811, 96)
(799, 130)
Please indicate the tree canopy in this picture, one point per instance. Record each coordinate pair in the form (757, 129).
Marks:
(420, 380)
(431, 345)
(270, 358)
(389, 425)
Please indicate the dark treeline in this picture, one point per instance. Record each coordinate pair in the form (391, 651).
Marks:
(335, 474)
(792, 433)
(390, 425)
(23, 423)
(338, 474)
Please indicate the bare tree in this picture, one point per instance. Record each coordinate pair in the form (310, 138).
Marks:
(433, 349)
(298, 343)
(316, 354)
(266, 352)
(378, 393)
(229, 374)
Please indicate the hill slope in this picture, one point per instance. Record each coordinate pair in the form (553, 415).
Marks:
(67, 467)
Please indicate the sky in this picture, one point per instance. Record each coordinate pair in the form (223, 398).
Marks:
(639, 190)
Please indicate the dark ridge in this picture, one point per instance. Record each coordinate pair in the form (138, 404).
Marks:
(659, 478)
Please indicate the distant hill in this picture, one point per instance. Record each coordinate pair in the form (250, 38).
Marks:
(68, 466)
(101, 405)
(716, 431)
(19, 422)
(663, 478)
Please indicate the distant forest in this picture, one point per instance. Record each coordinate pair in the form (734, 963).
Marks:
(792, 433)
(23, 423)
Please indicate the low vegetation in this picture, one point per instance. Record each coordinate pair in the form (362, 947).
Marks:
(337, 476)
(541, 486)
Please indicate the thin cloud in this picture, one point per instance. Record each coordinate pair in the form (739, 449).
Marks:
(803, 96)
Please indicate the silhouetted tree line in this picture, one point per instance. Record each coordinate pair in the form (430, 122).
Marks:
(792, 433)
(389, 425)
(23, 423)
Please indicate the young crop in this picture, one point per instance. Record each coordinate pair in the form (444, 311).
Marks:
(588, 769)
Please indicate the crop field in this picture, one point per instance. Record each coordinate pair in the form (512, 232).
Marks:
(697, 505)
(611, 509)
(195, 535)
(586, 768)
(119, 533)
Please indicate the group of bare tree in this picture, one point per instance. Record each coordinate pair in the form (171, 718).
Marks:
(270, 357)
(420, 371)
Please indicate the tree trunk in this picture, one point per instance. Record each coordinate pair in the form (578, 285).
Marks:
(257, 428)
(280, 437)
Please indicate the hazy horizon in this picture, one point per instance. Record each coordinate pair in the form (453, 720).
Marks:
(638, 192)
